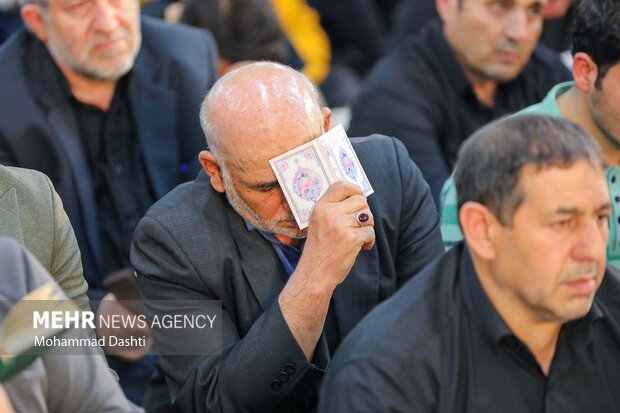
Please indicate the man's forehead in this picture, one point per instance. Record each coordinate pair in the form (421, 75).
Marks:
(252, 163)
(509, 3)
(580, 186)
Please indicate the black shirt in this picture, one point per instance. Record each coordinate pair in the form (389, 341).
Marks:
(440, 346)
(420, 95)
(122, 190)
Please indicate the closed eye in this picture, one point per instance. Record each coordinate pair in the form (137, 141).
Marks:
(266, 186)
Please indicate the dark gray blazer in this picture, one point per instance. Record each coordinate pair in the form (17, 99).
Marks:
(38, 130)
(192, 245)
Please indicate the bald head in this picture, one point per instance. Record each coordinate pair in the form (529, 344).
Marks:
(260, 110)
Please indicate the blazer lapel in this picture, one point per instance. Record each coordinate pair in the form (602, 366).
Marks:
(65, 132)
(10, 224)
(261, 267)
(154, 112)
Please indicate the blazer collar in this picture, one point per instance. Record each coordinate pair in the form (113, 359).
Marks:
(50, 89)
(154, 108)
(261, 267)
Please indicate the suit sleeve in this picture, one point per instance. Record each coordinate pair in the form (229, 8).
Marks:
(404, 109)
(66, 267)
(251, 373)
(419, 237)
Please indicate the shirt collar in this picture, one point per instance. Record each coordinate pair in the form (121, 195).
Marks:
(493, 326)
(270, 236)
(478, 304)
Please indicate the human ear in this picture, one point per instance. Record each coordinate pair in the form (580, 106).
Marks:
(32, 15)
(479, 227)
(585, 72)
(212, 168)
(327, 117)
(445, 8)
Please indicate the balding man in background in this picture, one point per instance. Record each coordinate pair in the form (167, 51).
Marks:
(289, 296)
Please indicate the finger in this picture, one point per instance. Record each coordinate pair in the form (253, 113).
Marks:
(358, 218)
(338, 210)
(340, 191)
(366, 235)
(352, 205)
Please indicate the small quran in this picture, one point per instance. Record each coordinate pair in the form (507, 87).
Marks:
(305, 173)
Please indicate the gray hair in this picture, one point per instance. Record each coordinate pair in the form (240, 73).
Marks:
(41, 3)
(490, 161)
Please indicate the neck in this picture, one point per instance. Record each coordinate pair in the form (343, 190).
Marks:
(574, 105)
(540, 336)
(483, 88)
(95, 92)
(295, 242)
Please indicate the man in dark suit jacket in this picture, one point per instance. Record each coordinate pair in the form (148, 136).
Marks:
(106, 106)
(289, 296)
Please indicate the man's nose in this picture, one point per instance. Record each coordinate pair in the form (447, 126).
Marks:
(591, 241)
(516, 25)
(283, 202)
(105, 17)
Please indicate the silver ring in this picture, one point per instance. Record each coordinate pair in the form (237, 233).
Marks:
(362, 217)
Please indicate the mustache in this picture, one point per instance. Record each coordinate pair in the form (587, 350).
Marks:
(580, 270)
(119, 34)
(506, 44)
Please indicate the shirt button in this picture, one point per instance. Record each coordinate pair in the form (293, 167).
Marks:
(276, 385)
(118, 168)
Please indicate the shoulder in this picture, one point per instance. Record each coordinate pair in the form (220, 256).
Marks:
(12, 69)
(608, 295)
(175, 40)
(546, 66)
(394, 356)
(192, 211)
(399, 70)
(384, 156)
(411, 324)
(375, 145)
(13, 46)
(30, 185)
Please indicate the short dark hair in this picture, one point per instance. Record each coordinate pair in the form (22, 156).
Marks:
(243, 29)
(491, 160)
(596, 31)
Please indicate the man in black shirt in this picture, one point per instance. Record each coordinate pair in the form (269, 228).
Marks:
(522, 318)
(106, 105)
(435, 89)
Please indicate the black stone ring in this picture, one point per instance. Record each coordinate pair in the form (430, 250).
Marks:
(362, 217)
